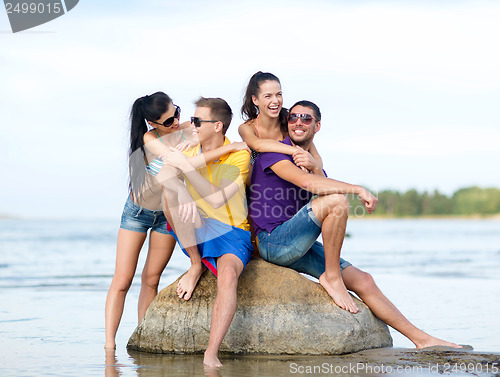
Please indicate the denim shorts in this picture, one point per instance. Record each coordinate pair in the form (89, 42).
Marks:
(140, 219)
(293, 244)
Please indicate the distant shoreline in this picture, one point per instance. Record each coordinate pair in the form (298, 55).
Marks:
(367, 216)
(62, 218)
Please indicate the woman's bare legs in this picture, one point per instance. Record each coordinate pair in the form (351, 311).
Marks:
(160, 250)
(128, 247)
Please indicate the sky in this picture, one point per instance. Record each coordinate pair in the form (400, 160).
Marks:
(409, 90)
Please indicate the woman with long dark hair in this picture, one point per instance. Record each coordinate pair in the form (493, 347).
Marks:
(144, 208)
(266, 120)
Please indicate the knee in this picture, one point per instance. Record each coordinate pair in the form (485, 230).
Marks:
(120, 284)
(365, 284)
(338, 204)
(150, 280)
(227, 278)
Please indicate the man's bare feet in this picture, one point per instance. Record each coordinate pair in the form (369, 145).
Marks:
(211, 360)
(187, 284)
(430, 341)
(337, 290)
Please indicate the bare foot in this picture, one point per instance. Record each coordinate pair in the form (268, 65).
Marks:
(211, 360)
(430, 341)
(337, 290)
(187, 284)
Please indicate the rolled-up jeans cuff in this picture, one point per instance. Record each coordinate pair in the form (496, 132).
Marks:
(312, 216)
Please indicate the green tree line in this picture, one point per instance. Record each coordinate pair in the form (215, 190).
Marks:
(463, 202)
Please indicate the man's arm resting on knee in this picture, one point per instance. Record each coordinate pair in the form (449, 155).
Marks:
(319, 185)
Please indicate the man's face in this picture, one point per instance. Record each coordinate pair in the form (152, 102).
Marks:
(207, 129)
(301, 133)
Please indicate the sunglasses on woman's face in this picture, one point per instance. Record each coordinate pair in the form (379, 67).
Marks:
(169, 121)
(305, 118)
(197, 121)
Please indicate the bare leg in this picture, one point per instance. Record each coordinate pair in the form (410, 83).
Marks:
(128, 247)
(161, 247)
(364, 286)
(185, 234)
(229, 268)
(332, 211)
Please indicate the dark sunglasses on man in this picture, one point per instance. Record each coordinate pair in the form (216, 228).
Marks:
(305, 118)
(197, 121)
(169, 121)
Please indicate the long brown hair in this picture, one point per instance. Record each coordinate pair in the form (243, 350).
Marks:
(249, 110)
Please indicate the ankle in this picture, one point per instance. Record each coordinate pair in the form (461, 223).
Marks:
(196, 265)
(110, 346)
(209, 352)
(332, 277)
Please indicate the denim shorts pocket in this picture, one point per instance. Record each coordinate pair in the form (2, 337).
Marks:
(131, 209)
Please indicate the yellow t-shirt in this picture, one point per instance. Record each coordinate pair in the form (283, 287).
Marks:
(232, 167)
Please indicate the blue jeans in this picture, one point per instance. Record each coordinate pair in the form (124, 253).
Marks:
(293, 244)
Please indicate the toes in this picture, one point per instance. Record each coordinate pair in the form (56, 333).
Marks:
(181, 292)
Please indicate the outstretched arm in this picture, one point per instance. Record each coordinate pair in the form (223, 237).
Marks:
(215, 195)
(164, 151)
(248, 135)
(316, 184)
(203, 159)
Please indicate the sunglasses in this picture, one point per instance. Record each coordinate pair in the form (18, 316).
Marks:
(305, 118)
(169, 121)
(197, 121)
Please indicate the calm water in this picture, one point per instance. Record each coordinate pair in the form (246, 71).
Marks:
(54, 275)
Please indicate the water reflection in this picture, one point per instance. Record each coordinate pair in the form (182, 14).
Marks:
(385, 361)
(160, 365)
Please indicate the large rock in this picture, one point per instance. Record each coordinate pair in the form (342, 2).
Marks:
(279, 312)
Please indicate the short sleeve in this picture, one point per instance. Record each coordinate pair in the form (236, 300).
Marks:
(268, 159)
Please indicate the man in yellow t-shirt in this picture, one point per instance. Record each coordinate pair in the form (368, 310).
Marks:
(224, 239)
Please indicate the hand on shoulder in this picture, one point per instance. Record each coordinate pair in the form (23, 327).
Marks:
(240, 146)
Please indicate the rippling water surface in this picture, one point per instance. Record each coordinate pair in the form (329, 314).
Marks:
(54, 275)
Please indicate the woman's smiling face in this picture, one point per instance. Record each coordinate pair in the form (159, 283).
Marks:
(269, 99)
